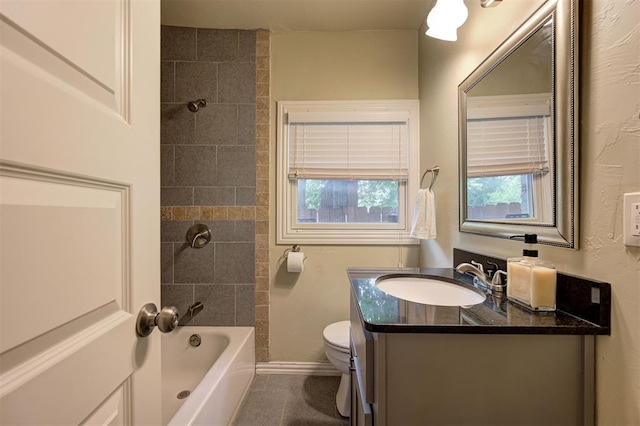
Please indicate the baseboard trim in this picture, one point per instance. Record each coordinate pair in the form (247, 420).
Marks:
(300, 368)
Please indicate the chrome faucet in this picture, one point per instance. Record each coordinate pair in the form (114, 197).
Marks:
(192, 311)
(195, 309)
(493, 283)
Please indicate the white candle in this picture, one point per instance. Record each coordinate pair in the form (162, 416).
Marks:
(543, 287)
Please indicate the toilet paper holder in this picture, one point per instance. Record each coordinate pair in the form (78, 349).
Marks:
(294, 249)
(294, 259)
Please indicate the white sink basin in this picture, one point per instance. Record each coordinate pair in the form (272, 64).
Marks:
(429, 290)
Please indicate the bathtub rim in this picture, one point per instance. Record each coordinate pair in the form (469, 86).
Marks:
(238, 338)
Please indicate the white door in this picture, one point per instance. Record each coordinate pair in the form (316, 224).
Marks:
(79, 218)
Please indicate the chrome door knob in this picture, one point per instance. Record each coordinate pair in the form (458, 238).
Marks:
(149, 317)
(167, 319)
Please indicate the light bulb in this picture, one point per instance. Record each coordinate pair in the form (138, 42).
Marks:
(445, 18)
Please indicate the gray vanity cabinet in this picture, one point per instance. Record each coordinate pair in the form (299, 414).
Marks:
(361, 373)
(361, 414)
(470, 379)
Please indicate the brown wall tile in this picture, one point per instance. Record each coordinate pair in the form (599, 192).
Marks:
(262, 117)
(262, 131)
(262, 103)
(262, 297)
(262, 172)
(263, 90)
(262, 158)
(262, 255)
(262, 199)
(262, 227)
(262, 312)
(166, 213)
(263, 63)
(262, 241)
(263, 76)
(262, 269)
(192, 213)
(262, 327)
(262, 50)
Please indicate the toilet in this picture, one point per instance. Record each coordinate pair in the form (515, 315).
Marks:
(336, 347)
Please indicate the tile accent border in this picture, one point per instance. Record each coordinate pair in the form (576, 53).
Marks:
(208, 213)
(263, 102)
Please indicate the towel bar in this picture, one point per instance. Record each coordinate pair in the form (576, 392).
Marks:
(434, 171)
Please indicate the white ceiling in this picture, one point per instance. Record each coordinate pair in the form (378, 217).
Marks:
(297, 15)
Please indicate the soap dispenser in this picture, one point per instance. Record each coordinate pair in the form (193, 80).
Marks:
(530, 281)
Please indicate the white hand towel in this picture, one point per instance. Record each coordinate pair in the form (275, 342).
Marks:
(424, 216)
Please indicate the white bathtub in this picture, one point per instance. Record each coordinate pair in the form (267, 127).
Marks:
(217, 373)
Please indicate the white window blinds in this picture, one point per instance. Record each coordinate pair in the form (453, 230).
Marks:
(507, 146)
(321, 149)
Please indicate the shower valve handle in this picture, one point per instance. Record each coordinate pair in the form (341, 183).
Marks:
(149, 317)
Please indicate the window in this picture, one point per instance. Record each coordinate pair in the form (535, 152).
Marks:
(347, 171)
(509, 158)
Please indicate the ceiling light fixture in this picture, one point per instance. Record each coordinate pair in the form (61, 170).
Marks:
(445, 18)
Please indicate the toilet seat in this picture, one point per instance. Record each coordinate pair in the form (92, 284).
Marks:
(338, 348)
(336, 335)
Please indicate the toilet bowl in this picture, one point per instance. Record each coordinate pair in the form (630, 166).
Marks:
(336, 347)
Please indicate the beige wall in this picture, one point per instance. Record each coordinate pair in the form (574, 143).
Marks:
(526, 70)
(326, 66)
(610, 166)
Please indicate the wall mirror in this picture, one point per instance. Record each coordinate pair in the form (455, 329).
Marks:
(518, 133)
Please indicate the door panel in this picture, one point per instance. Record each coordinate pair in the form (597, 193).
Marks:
(91, 55)
(97, 29)
(67, 382)
(111, 412)
(79, 211)
(88, 219)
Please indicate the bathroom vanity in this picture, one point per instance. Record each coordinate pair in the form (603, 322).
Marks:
(490, 363)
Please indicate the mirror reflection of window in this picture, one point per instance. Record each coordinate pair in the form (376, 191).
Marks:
(510, 151)
(509, 158)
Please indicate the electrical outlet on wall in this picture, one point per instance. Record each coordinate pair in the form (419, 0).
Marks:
(631, 219)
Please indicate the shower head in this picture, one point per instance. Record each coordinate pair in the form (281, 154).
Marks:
(194, 106)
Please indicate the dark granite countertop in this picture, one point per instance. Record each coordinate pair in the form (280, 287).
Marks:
(383, 313)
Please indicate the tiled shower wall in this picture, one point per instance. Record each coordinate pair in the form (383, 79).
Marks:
(215, 170)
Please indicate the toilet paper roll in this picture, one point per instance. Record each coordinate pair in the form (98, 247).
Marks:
(295, 262)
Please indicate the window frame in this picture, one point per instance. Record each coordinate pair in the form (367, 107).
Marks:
(288, 231)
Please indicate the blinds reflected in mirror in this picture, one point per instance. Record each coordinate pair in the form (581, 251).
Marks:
(507, 146)
(509, 135)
